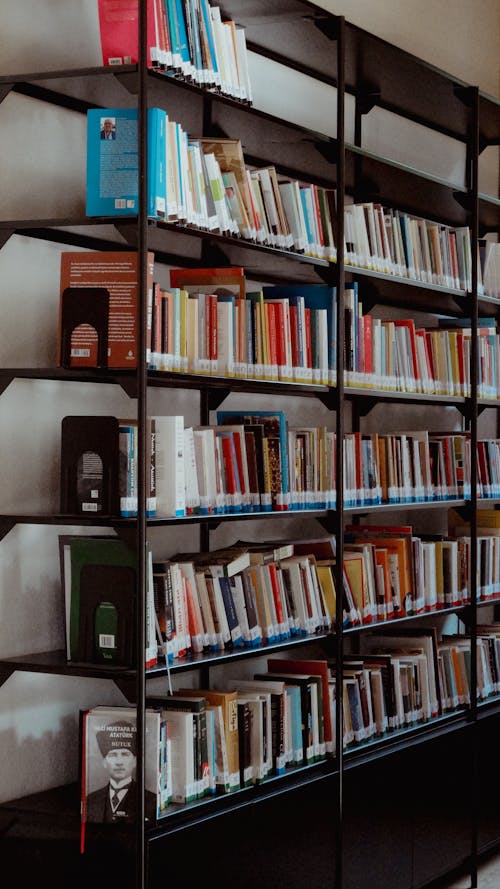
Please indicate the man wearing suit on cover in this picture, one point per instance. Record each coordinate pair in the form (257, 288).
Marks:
(117, 801)
(108, 130)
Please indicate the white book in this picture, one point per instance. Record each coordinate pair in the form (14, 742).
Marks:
(170, 472)
(180, 725)
(242, 62)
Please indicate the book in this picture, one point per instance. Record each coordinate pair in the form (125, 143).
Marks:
(115, 271)
(228, 701)
(112, 187)
(100, 588)
(118, 26)
(195, 704)
(170, 471)
(108, 753)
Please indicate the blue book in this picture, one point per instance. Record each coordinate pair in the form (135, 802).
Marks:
(157, 153)
(183, 38)
(205, 11)
(113, 162)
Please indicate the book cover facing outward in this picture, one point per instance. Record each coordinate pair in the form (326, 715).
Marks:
(101, 601)
(117, 273)
(112, 162)
(118, 24)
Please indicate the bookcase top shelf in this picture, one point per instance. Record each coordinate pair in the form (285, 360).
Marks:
(302, 35)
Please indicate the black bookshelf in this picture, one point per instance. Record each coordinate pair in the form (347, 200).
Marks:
(305, 38)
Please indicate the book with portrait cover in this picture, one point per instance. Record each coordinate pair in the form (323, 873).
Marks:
(113, 162)
(108, 760)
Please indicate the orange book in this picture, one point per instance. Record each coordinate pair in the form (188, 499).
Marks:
(232, 277)
(115, 271)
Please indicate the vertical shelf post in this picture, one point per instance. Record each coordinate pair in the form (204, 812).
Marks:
(140, 858)
(339, 461)
(473, 173)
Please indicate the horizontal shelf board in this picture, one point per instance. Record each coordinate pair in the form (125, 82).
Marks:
(59, 73)
(201, 382)
(178, 816)
(423, 615)
(384, 507)
(11, 519)
(493, 600)
(213, 659)
(359, 392)
(66, 222)
(56, 662)
(60, 519)
(290, 31)
(488, 707)
(113, 376)
(404, 738)
(281, 264)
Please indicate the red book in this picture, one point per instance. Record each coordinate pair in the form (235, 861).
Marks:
(271, 567)
(368, 344)
(319, 221)
(269, 309)
(308, 356)
(118, 23)
(212, 326)
(228, 453)
(279, 323)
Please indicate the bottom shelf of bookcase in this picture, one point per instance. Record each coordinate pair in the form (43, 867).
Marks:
(407, 821)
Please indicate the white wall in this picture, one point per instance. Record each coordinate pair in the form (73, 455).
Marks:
(42, 174)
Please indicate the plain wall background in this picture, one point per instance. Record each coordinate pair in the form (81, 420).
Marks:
(42, 174)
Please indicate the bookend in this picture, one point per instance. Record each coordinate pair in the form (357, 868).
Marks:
(107, 615)
(85, 305)
(89, 465)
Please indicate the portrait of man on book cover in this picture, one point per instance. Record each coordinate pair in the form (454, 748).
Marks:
(108, 128)
(112, 759)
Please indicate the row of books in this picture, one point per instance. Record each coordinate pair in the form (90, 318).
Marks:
(398, 243)
(239, 596)
(256, 594)
(397, 355)
(206, 322)
(256, 462)
(202, 182)
(200, 742)
(405, 677)
(185, 38)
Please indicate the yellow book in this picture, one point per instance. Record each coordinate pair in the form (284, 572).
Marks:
(325, 577)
